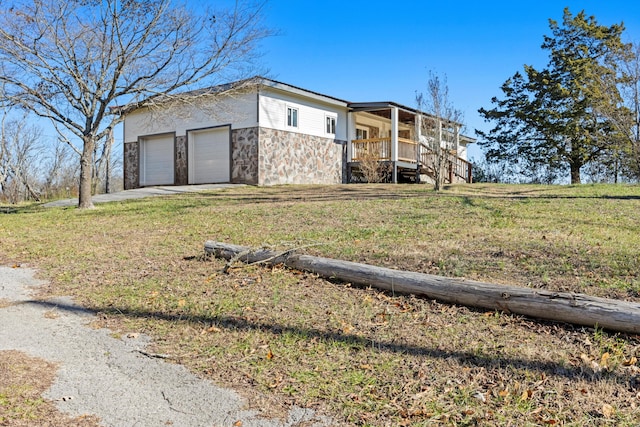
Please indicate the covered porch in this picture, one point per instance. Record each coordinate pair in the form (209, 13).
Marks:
(389, 136)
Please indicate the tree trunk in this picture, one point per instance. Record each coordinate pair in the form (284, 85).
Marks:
(575, 173)
(566, 307)
(107, 166)
(34, 195)
(86, 172)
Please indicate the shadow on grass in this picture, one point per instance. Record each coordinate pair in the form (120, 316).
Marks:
(364, 192)
(355, 342)
(351, 192)
(20, 209)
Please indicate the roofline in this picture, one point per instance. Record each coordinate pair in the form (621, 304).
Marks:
(468, 139)
(300, 91)
(217, 89)
(240, 84)
(275, 84)
(370, 106)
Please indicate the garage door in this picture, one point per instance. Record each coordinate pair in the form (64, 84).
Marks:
(209, 156)
(156, 160)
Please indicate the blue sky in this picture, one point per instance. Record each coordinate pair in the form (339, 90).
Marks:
(383, 50)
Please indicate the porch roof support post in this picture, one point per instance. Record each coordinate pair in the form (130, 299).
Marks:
(394, 143)
(418, 132)
(351, 134)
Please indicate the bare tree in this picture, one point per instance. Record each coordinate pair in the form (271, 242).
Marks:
(70, 60)
(372, 169)
(59, 171)
(102, 164)
(20, 151)
(629, 124)
(621, 158)
(5, 157)
(440, 129)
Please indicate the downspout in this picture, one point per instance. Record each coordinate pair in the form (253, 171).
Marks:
(258, 106)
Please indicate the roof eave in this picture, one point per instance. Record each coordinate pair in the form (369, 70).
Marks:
(274, 84)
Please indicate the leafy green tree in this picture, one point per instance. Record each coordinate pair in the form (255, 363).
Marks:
(552, 118)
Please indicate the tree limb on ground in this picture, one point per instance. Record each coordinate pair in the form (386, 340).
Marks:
(575, 308)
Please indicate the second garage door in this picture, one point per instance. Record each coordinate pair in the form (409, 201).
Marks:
(210, 156)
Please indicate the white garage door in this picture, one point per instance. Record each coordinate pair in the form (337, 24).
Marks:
(156, 160)
(209, 156)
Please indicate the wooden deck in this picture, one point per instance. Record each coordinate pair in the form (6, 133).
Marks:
(412, 156)
(380, 149)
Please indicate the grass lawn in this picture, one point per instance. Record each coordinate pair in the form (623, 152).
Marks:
(362, 356)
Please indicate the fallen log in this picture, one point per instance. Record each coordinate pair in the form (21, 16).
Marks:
(574, 308)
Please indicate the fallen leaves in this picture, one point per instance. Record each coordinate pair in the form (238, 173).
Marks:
(211, 330)
(604, 360)
(592, 364)
(480, 396)
(526, 394)
(51, 314)
(608, 411)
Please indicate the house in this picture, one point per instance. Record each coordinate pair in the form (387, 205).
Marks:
(264, 132)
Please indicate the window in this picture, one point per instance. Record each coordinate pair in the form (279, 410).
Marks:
(362, 133)
(292, 117)
(331, 125)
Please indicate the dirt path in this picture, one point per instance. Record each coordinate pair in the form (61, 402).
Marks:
(113, 378)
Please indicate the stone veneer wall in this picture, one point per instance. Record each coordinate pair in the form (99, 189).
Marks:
(261, 156)
(244, 156)
(294, 158)
(131, 165)
(181, 161)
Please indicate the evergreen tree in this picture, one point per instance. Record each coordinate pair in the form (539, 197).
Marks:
(553, 118)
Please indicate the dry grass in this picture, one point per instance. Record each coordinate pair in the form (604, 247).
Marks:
(363, 356)
(23, 379)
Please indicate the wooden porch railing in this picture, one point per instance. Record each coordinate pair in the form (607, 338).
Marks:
(380, 149)
(371, 149)
(455, 166)
(407, 150)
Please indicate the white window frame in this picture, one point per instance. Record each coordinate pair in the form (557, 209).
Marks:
(330, 124)
(364, 132)
(292, 116)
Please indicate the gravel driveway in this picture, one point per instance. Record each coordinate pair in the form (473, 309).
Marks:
(115, 379)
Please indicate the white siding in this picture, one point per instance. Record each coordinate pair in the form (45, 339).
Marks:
(462, 151)
(364, 119)
(240, 111)
(311, 114)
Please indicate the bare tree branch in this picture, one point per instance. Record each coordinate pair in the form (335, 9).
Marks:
(441, 129)
(70, 61)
